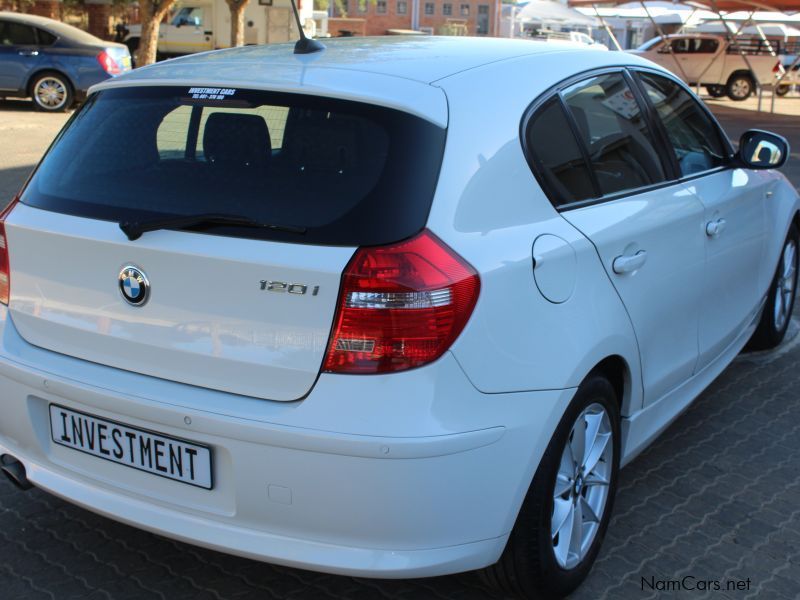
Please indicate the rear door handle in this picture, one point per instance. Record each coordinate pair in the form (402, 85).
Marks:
(629, 264)
(715, 228)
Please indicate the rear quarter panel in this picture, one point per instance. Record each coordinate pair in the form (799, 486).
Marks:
(490, 208)
(79, 64)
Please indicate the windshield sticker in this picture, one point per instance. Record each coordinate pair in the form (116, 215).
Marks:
(203, 93)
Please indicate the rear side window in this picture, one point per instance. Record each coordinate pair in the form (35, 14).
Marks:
(348, 173)
(45, 37)
(614, 132)
(557, 156)
(694, 136)
(16, 34)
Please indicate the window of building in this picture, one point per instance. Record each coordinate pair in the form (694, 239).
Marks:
(402, 7)
(482, 26)
(447, 9)
(380, 7)
(465, 10)
(429, 8)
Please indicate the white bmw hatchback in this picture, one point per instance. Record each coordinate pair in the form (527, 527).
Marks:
(397, 308)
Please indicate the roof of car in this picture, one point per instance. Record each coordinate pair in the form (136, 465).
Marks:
(393, 71)
(32, 19)
(419, 58)
(58, 28)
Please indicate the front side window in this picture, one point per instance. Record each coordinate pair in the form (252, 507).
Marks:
(557, 157)
(695, 138)
(193, 17)
(706, 46)
(346, 173)
(615, 133)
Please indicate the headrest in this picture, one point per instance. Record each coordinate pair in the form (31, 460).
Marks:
(237, 140)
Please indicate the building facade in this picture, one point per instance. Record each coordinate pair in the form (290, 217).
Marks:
(449, 17)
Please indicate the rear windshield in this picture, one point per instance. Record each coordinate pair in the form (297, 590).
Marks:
(347, 173)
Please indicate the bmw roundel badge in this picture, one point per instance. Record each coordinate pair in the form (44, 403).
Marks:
(133, 285)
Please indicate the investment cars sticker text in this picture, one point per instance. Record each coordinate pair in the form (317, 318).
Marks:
(203, 93)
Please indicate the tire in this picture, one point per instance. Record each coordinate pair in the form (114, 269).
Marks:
(533, 564)
(778, 309)
(52, 92)
(716, 91)
(782, 90)
(740, 87)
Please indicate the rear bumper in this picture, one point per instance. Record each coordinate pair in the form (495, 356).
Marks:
(409, 475)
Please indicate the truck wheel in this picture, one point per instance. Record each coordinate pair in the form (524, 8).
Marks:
(740, 87)
(716, 91)
(51, 92)
(782, 90)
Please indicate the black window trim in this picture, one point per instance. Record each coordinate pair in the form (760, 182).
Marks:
(660, 140)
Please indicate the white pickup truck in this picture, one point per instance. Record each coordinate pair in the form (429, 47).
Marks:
(706, 60)
(199, 25)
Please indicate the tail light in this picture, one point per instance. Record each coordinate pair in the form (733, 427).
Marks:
(401, 306)
(109, 65)
(778, 68)
(5, 269)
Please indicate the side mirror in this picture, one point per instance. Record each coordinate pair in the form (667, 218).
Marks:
(762, 150)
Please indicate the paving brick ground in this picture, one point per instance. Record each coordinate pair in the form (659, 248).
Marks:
(716, 498)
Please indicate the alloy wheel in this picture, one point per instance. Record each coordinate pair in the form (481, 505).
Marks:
(786, 284)
(581, 488)
(50, 93)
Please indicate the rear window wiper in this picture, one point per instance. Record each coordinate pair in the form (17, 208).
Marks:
(135, 229)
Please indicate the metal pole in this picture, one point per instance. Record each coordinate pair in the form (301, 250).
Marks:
(724, 48)
(607, 27)
(741, 52)
(664, 37)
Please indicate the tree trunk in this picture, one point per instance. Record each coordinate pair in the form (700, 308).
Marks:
(237, 21)
(152, 12)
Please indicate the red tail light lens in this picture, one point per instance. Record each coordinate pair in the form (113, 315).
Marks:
(109, 65)
(401, 306)
(5, 270)
(778, 68)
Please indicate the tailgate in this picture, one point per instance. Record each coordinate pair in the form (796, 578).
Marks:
(207, 321)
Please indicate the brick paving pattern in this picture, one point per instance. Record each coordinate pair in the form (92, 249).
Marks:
(717, 497)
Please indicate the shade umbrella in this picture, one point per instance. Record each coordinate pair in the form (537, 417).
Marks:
(548, 11)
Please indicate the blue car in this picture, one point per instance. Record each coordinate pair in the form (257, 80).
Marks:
(52, 62)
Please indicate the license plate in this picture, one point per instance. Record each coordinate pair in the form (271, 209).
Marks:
(148, 451)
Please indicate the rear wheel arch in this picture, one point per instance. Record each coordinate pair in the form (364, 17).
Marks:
(615, 369)
(34, 76)
(741, 73)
